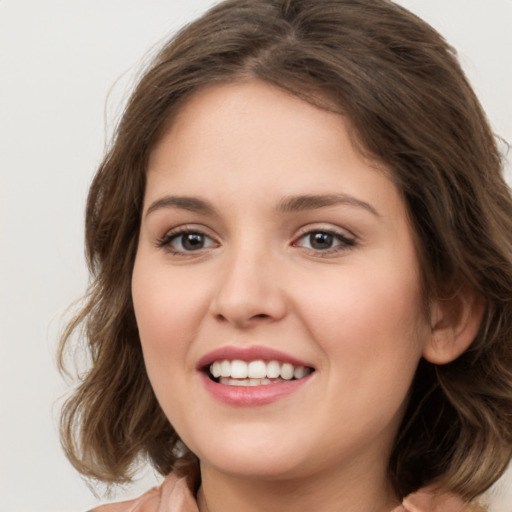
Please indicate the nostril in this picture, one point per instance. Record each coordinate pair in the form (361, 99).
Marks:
(241, 320)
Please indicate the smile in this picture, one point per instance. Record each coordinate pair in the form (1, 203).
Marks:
(255, 373)
(252, 376)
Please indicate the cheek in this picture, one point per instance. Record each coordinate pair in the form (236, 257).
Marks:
(166, 314)
(370, 319)
(166, 323)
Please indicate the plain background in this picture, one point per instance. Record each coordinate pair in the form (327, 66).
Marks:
(59, 61)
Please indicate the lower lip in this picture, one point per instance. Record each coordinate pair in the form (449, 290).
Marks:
(251, 396)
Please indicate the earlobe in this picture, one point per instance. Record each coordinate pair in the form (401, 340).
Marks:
(454, 326)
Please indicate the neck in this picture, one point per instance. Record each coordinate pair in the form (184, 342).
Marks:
(347, 491)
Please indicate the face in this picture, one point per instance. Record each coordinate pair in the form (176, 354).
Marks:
(270, 248)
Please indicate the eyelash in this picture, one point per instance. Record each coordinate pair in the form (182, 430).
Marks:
(343, 242)
(166, 241)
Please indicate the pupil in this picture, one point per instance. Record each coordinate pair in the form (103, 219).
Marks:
(321, 240)
(193, 241)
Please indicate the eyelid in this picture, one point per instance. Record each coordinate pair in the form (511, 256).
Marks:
(346, 239)
(164, 242)
(327, 228)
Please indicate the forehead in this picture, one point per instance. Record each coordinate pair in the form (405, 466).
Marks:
(252, 138)
(255, 106)
(228, 118)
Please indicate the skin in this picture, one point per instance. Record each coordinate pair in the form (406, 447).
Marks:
(352, 311)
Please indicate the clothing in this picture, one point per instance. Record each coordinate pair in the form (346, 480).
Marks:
(176, 494)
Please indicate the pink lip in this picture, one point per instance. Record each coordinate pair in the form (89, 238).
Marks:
(248, 354)
(249, 396)
(252, 396)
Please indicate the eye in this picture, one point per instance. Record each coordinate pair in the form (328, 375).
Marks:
(324, 241)
(186, 241)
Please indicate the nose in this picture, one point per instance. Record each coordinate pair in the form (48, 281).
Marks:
(248, 291)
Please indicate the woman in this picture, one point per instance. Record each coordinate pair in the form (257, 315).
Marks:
(301, 252)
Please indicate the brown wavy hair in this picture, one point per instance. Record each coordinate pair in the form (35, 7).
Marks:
(411, 107)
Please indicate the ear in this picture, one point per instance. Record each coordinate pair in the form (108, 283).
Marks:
(454, 325)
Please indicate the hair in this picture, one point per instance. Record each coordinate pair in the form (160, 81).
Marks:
(410, 107)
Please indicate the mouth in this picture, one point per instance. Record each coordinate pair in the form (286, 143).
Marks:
(254, 373)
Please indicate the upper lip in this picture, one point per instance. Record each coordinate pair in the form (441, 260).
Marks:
(232, 353)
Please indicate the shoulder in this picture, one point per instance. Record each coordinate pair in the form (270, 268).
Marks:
(148, 502)
(426, 500)
(177, 492)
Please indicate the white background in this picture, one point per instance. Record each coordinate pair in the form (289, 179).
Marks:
(59, 60)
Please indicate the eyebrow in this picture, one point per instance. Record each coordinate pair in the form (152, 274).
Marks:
(288, 204)
(312, 202)
(193, 204)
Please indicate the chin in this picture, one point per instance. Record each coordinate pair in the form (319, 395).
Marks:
(257, 455)
(257, 468)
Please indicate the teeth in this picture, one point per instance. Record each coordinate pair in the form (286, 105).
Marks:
(216, 369)
(299, 372)
(247, 382)
(257, 370)
(239, 369)
(225, 369)
(287, 371)
(273, 370)
(255, 373)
